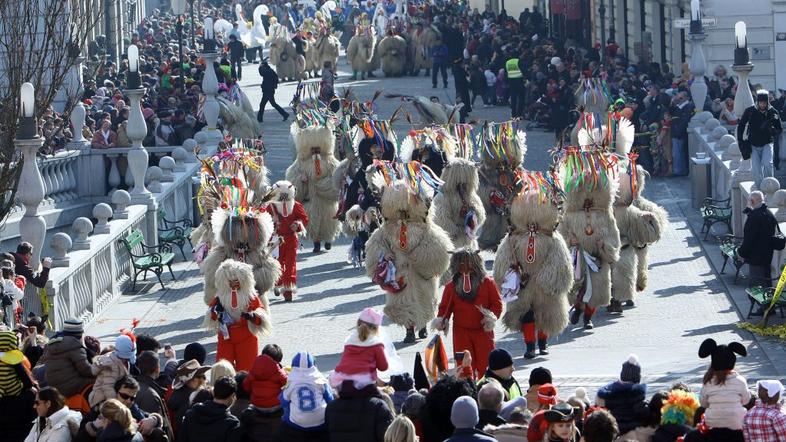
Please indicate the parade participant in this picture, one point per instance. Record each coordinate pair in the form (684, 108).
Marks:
(408, 253)
(392, 52)
(458, 208)
(431, 146)
(589, 226)
(241, 233)
(312, 173)
(363, 355)
(640, 223)
(473, 300)
(290, 220)
(361, 52)
(238, 314)
(502, 150)
(533, 265)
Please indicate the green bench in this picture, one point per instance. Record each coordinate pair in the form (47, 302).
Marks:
(174, 232)
(715, 211)
(151, 259)
(762, 297)
(728, 247)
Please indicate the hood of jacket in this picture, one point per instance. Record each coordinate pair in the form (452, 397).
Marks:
(209, 413)
(622, 389)
(264, 367)
(65, 417)
(62, 344)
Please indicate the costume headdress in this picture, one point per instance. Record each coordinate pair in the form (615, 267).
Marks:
(502, 143)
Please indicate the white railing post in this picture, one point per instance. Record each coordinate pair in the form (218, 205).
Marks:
(137, 156)
(32, 227)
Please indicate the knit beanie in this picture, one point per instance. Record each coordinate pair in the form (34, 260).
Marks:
(73, 326)
(413, 404)
(539, 376)
(631, 370)
(499, 358)
(195, 350)
(464, 413)
(402, 382)
(547, 394)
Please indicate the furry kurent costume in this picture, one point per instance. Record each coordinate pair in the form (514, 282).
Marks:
(237, 166)
(312, 173)
(242, 234)
(362, 52)
(458, 208)
(392, 52)
(289, 64)
(474, 302)
(290, 221)
(589, 178)
(238, 314)
(641, 223)
(533, 264)
(358, 202)
(408, 253)
(502, 149)
(423, 38)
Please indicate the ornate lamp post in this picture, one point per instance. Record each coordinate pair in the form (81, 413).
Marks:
(698, 64)
(743, 99)
(30, 191)
(210, 83)
(137, 130)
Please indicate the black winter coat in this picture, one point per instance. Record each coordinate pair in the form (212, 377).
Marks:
(259, 426)
(269, 79)
(670, 432)
(21, 267)
(756, 246)
(209, 421)
(762, 127)
(358, 419)
(626, 402)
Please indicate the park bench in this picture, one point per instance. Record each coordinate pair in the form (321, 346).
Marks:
(715, 211)
(176, 232)
(728, 247)
(150, 259)
(762, 297)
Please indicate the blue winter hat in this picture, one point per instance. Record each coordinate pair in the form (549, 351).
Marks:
(125, 348)
(303, 360)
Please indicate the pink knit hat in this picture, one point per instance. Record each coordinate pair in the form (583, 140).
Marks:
(371, 316)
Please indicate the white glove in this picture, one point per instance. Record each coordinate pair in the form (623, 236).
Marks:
(47, 262)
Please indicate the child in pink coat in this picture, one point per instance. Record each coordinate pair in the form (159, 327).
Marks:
(364, 353)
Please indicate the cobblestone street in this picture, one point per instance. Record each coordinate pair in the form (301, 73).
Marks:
(684, 304)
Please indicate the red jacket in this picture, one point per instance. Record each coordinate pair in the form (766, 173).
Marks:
(362, 357)
(284, 223)
(466, 314)
(265, 382)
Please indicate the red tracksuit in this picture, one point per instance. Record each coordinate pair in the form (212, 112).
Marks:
(287, 252)
(242, 347)
(468, 333)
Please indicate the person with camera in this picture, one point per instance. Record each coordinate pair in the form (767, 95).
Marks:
(762, 124)
(24, 251)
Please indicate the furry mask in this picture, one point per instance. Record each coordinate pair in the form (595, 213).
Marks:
(241, 232)
(539, 204)
(235, 283)
(468, 272)
(315, 136)
(283, 197)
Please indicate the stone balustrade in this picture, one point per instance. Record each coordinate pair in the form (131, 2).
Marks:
(90, 265)
(731, 175)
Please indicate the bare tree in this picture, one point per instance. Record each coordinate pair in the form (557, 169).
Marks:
(40, 41)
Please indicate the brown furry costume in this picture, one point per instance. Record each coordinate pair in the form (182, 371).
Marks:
(421, 42)
(497, 188)
(237, 314)
(312, 175)
(362, 54)
(244, 239)
(327, 49)
(458, 197)
(640, 223)
(392, 52)
(290, 65)
(418, 248)
(545, 268)
(589, 225)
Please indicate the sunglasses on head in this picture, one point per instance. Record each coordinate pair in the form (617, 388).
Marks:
(127, 397)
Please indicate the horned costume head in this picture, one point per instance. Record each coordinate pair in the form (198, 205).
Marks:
(502, 146)
(235, 291)
(432, 146)
(468, 272)
(315, 144)
(589, 178)
(241, 229)
(539, 204)
(283, 197)
(378, 141)
(407, 190)
(593, 95)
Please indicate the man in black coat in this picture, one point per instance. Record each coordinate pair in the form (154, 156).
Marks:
(236, 51)
(762, 124)
(489, 405)
(24, 252)
(212, 420)
(462, 87)
(756, 248)
(269, 86)
(358, 415)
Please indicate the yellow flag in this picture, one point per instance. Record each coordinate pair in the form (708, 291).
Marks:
(778, 290)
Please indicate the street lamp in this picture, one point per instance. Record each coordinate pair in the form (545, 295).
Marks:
(698, 64)
(136, 130)
(743, 99)
(30, 191)
(210, 83)
(133, 82)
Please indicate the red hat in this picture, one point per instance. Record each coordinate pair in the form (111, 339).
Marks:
(547, 394)
(88, 102)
